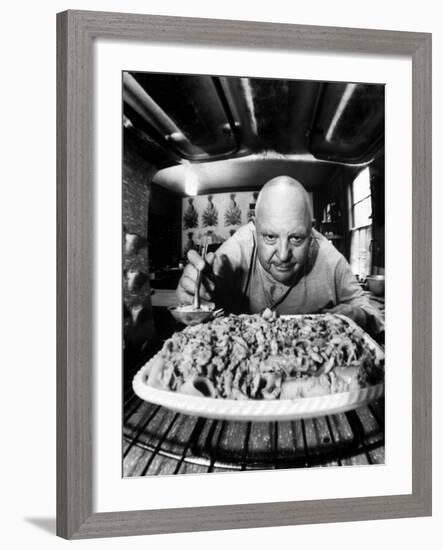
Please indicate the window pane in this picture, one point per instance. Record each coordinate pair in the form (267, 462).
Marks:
(360, 259)
(362, 213)
(361, 187)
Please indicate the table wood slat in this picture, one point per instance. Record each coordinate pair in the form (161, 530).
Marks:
(345, 439)
(134, 461)
(353, 438)
(187, 468)
(290, 444)
(259, 444)
(378, 409)
(138, 417)
(318, 441)
(372, 435)
(232, 443)
(162, 465)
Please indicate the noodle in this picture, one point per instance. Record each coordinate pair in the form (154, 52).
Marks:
(266, 357)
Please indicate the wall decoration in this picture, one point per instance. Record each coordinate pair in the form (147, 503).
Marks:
(233, 213)
(210, 213)
(251, 211)
(190, 216)
(218, 215)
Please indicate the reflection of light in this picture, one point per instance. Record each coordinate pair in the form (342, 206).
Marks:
(349, 90)
(191, 181)
(247, 89)
(126, 122)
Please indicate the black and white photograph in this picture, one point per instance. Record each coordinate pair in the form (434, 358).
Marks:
(221, 278)
(253, 273)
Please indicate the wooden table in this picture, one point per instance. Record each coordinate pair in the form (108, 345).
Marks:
(159, 441)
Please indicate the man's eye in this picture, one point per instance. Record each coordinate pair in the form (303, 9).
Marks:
(296, 240)
(270, 238)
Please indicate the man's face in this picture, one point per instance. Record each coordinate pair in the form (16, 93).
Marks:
(283, 243)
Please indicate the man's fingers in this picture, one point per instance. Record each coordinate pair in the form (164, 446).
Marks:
(196, 260)
(208, 284)
(191, 272)
(204, 293)
(188, 286)
(183, 297)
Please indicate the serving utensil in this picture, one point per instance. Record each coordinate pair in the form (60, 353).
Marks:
(196, 302)
(192, 315)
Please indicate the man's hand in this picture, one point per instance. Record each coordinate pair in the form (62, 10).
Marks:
(357, 314)
(186, 285)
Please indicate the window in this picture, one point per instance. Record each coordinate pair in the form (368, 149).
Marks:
(361, 210)
(361, 224)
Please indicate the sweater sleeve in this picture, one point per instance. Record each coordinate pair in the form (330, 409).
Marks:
(349, 292)
(231, 265)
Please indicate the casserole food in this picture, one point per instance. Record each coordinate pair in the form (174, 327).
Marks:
(264, 357)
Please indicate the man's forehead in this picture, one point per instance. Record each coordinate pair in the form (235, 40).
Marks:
(282, 224)
(283, 204)
(283, 199)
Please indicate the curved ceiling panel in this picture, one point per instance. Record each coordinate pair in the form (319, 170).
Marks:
(349, 124)
(201, 126)
(208, 118)
(244, 173)
(272, 114)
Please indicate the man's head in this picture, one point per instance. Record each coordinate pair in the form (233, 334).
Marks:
(283, 222)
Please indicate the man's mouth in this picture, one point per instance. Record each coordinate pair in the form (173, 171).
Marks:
(283, 267)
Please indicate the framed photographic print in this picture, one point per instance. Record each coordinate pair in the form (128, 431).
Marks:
(244, 297)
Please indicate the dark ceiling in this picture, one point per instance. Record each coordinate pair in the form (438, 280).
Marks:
(211, 123)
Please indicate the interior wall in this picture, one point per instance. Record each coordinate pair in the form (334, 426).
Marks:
(377, 175)
(139, 331)
(334, 192)
(164, 231)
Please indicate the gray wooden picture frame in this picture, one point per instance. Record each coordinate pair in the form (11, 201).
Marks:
(76, 32)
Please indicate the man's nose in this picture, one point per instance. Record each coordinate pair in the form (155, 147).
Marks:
(283, 251)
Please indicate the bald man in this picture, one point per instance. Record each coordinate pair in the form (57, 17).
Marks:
(279, 262)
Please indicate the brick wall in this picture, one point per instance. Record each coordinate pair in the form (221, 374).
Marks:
(139, 330)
